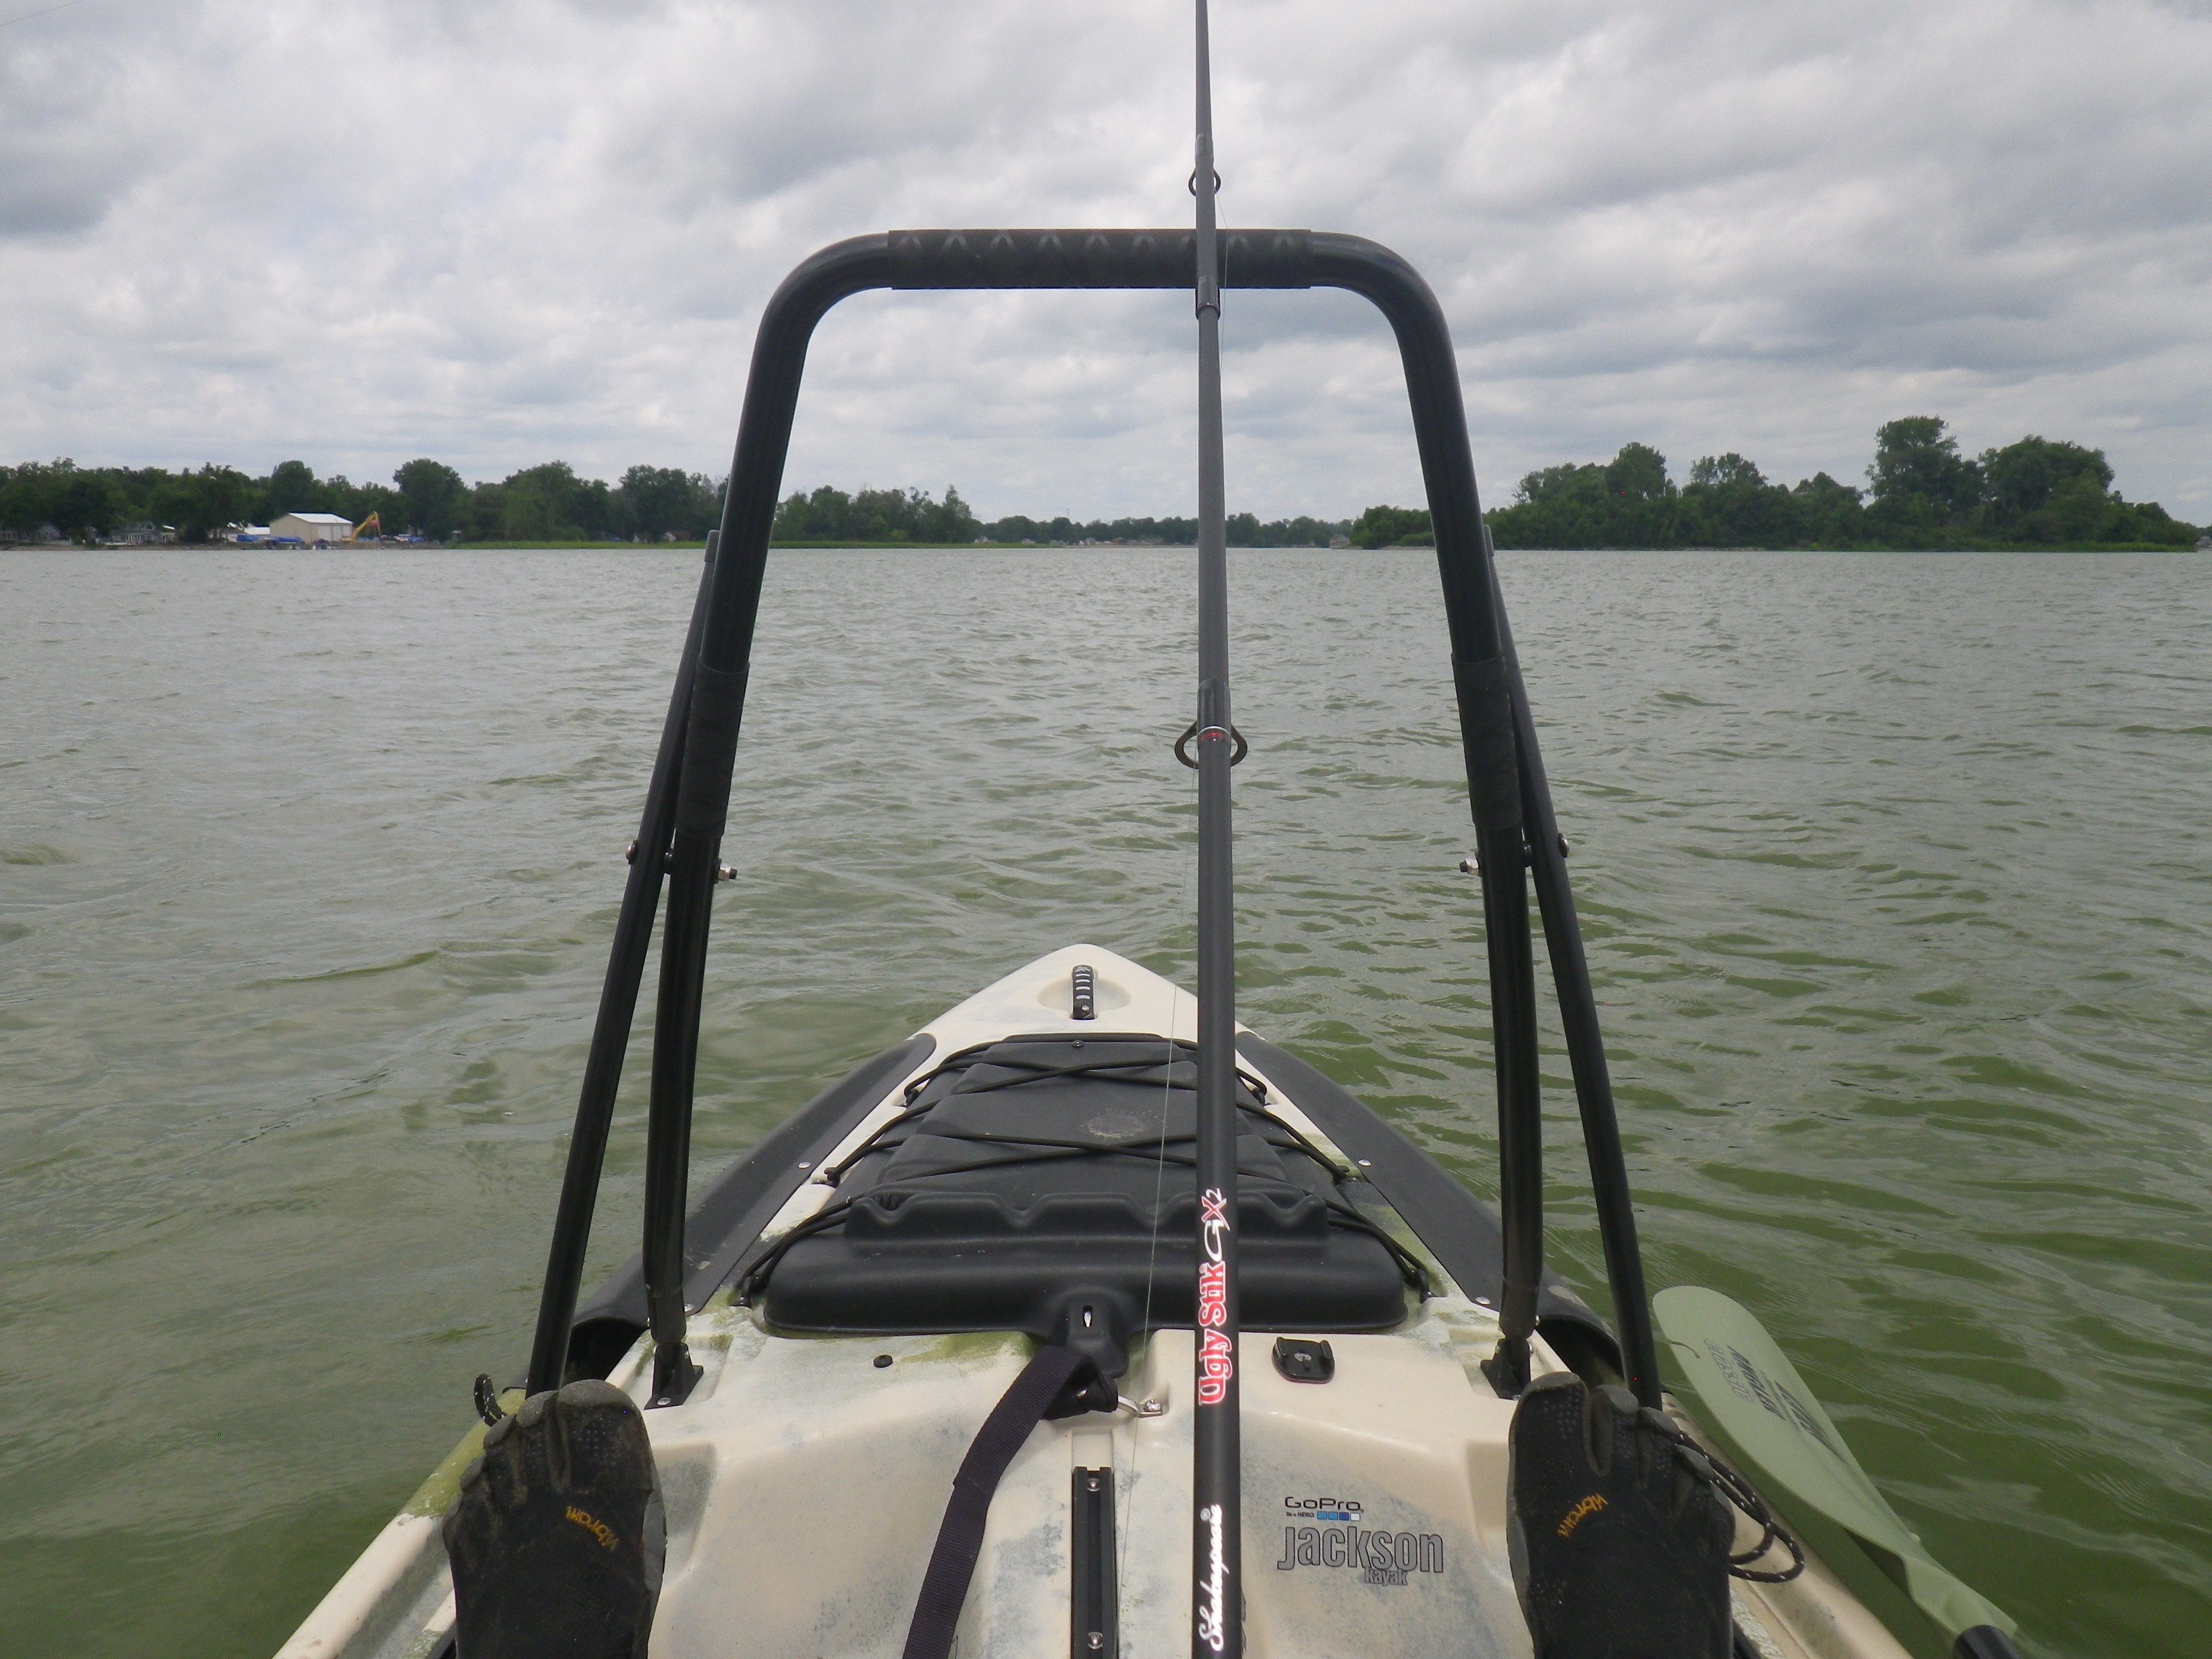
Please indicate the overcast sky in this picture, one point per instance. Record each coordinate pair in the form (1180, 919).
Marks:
(498, 232)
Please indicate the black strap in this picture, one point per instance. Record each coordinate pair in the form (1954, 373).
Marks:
(960, 1538)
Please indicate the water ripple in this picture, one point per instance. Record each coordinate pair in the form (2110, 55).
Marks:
(1892, 867)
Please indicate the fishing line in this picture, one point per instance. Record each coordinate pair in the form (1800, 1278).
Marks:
(44, 11)
(1159, 1190)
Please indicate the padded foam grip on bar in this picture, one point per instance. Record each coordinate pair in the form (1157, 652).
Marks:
(1093, 259)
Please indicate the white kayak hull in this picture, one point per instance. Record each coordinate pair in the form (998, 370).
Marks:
(805, 1478)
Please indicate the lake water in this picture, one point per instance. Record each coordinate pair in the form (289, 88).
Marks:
(1894, 869)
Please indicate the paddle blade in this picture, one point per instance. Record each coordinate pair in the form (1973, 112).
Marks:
(1753, 1394)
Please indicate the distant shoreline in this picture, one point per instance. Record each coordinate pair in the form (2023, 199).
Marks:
(466, 548)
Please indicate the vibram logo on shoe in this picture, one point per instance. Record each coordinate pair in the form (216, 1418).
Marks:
(605, 1534)
(1576, 1515)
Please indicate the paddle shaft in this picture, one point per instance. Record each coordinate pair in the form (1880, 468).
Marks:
(1217, 1550)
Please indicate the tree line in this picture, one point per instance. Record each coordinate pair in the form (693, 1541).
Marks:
(1921, 492)
(427, 498)
(547, 503)
(829, 514)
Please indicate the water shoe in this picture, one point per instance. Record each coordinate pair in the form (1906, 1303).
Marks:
(1619, 1538)
(557, 1537)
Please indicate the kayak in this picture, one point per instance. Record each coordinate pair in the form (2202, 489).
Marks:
(1088, 1316)
(864, 1292)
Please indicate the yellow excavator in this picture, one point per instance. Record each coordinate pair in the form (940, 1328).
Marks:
(365, 525)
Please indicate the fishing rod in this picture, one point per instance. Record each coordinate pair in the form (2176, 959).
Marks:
(1217, 1547)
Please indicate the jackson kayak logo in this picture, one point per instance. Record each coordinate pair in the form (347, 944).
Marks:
(1217, 1359)
(1379, 1558)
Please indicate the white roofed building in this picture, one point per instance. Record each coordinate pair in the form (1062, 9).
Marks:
(312, 528)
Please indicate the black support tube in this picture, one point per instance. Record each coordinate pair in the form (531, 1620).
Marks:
(1563, 935)
(595, 1105)
(717, 708)
(1481, 674)
(702, 801)
(1424, 346)
(1520, 1115)
(998, 259)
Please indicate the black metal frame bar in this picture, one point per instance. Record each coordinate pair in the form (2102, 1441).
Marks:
(1577, 1003)
(595, 1106)
(1507, 795)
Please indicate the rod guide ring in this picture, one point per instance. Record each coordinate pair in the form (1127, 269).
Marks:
(1182, 752)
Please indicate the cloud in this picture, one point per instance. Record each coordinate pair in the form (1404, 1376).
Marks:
(498, 231)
